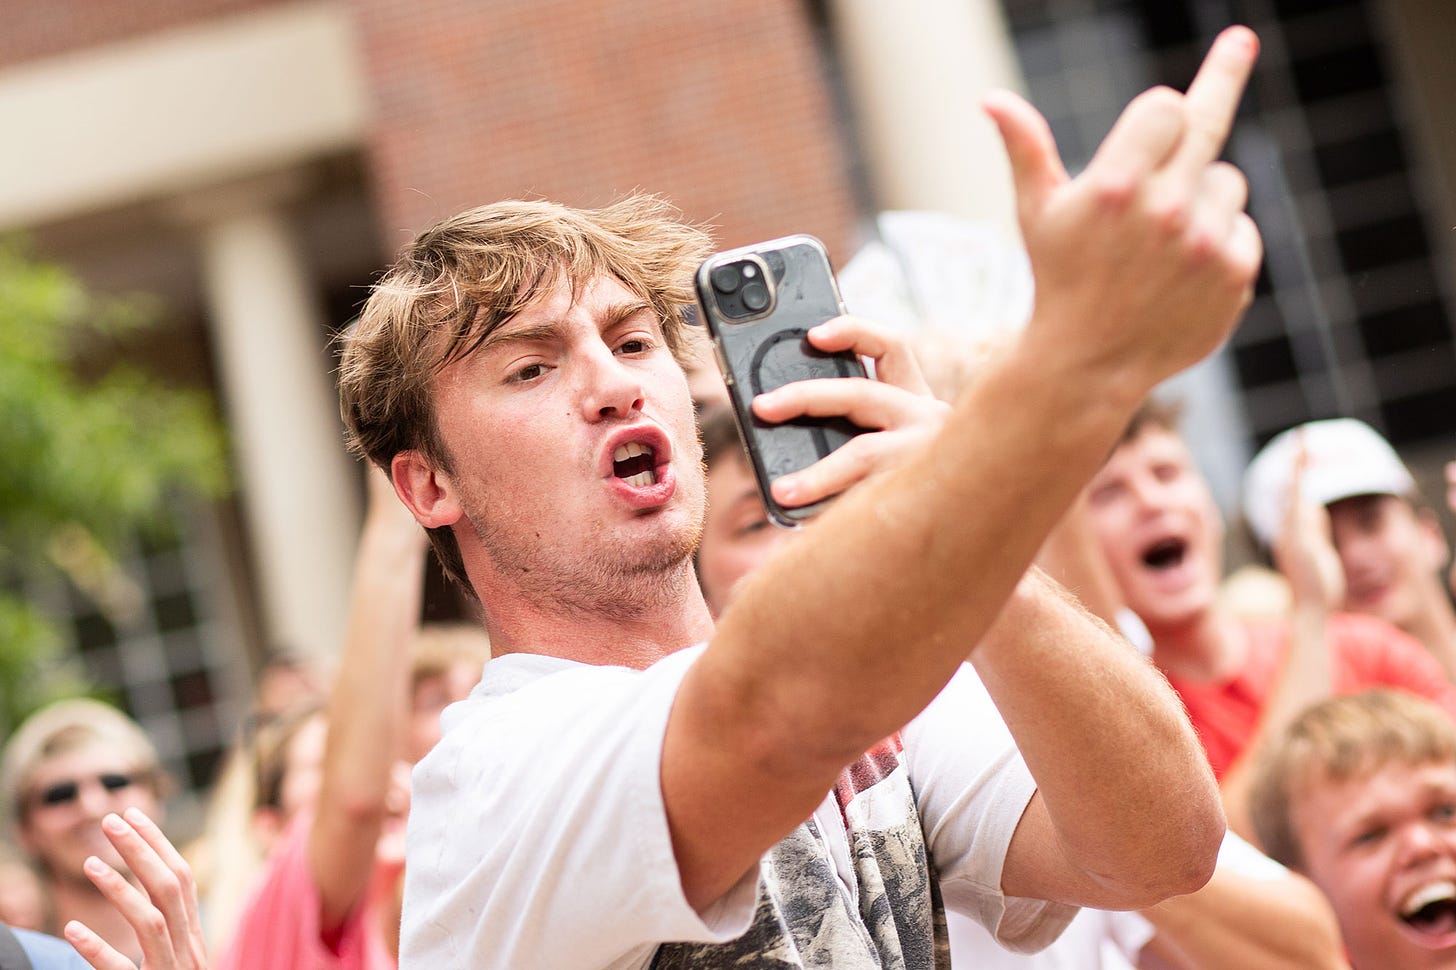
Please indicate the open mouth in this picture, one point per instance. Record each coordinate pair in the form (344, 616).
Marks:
(1431, 910)
(1165, 554)
(635, 464)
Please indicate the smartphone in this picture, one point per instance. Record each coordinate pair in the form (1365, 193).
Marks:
(759, 303)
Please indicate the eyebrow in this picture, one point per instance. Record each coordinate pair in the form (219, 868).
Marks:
(508, 333)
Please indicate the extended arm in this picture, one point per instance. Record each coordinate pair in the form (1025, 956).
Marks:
(367, 710)
(1143, 264)
(1250, 922)
(1126, 805)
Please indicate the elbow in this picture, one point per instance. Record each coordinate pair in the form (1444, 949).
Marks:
(1172, 861)
(1192, 851)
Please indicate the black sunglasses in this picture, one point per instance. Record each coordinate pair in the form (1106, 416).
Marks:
(65, 792)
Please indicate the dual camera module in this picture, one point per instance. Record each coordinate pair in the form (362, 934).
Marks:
(741, 288)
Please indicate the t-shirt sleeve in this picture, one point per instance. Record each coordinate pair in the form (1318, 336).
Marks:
(279, 926)
(971, 788)
(538, 835)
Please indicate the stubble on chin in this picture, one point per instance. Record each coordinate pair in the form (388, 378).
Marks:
(617, 581)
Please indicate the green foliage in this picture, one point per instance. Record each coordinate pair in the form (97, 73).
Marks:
(94, 450)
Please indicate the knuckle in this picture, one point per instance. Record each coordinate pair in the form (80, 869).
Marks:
(1170, 213)
(1114, 191)
(1159, 100)
(153, 923)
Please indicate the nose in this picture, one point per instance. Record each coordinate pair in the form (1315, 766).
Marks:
(1419, 841)
(94, 800)
(1146, 493)
(610, 389)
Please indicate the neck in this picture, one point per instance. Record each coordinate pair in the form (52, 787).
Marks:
(633, 627)
(80, 900)
(1209, 646)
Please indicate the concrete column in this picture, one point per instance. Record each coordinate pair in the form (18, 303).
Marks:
(916, 73)
(299, 487)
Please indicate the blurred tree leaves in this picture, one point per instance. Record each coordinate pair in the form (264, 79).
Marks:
(92, 452)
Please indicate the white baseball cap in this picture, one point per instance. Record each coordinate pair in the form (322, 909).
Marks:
(1345, 458)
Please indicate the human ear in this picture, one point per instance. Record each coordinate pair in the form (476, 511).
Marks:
(425, 490)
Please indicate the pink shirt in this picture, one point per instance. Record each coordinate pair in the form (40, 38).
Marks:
(279, 928)
(1366, 653)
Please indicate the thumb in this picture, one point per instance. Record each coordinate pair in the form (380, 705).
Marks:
(1036, 167)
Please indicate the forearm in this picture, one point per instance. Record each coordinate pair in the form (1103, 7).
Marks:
(367, 707)
(1250, 923)
(858, 624)
(1306, 678)
(1124, 782)
(1073, 557)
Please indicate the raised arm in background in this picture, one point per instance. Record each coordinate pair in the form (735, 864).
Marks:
(368, 707)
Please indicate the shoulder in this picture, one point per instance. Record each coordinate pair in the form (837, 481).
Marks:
(520, 691)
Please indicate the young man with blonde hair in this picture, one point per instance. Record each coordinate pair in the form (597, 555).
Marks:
(612, 796)
(1359, 794)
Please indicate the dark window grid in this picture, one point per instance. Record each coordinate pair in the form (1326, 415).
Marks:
(1363, 184)
(136, 662)
(1273, 407)
(1340, 120)
(1082, 70)
(1412, 373)
(1327, 31)
(1310, 299)
(1395, 285)
(1357, 205)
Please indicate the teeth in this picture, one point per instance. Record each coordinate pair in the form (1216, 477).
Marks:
(1428, 894)
(631, 450)
(641, 479)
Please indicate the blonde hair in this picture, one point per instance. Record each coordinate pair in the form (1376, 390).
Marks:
(1338, 740)
(461, 280)
(65, 726)
(439, 646)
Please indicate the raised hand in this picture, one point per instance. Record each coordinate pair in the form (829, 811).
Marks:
(1144, 262)
(898, 407)
(1303, 550)
(163, 912)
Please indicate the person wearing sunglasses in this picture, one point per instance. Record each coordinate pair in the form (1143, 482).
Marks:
(66, 768)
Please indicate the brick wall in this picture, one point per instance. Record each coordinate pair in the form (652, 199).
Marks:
(722, 108)
(34, 29)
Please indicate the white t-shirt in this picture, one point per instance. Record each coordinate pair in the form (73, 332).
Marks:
(538, 837)
(1096, 939)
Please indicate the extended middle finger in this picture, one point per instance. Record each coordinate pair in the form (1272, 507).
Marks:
(1213, 100)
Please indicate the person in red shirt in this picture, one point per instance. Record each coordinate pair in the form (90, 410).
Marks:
(1242, 680)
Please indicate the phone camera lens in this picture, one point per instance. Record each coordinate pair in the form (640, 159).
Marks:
(725, 278)
(755, 296)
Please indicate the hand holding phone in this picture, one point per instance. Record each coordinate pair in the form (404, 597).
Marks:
(805, 435)
(759, 303)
